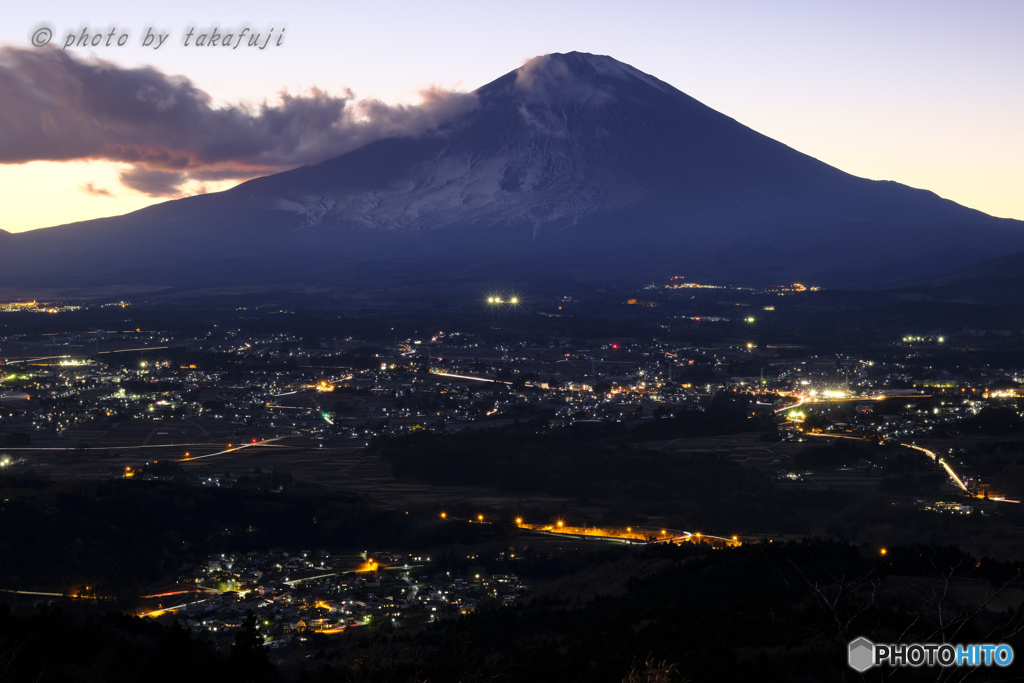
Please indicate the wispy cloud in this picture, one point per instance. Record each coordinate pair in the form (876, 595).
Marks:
(548, 80)
(98, 191)
(56, 107)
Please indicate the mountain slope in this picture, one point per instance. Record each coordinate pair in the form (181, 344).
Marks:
(574, 166)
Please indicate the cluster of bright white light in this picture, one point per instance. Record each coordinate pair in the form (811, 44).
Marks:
(498, 300)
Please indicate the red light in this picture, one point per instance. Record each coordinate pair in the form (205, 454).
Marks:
(254, 440)
(615, 346)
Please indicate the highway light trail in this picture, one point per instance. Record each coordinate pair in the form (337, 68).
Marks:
(795, 405)
(952, 474)
(931, 454)
(293, 582)
(470, 377)
(33, 360)
(230, 449)
(132, 448)
(197, 589)
(627, 534)
(945, 466)
(164, 610)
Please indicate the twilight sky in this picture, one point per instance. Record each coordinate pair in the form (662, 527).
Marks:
(927, 93)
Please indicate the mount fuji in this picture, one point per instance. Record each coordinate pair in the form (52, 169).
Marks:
(573, 168)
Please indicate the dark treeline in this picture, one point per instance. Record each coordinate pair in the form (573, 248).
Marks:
(54, 644)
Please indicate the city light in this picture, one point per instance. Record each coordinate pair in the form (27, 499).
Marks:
(503, 300)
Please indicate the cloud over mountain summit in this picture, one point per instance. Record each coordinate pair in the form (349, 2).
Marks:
(57, 107)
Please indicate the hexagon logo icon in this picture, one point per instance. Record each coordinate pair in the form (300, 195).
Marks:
(862, 654)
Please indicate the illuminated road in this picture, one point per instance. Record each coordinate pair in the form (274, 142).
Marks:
(627, 534)
(931, 454)
(236, 449)
(469, 377)
(65, 449)
(953, 475)
(175, 608)
(294, 582)
(945, 465)
(795, 405)
(804, 400)
(53, 595)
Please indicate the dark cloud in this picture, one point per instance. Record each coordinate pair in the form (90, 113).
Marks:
(98, 191)
(153, 182)
(56, 107)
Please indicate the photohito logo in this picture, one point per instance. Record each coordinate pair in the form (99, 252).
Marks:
(863, 654)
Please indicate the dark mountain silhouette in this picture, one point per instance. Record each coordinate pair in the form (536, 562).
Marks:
(575, 167)
(997, 281)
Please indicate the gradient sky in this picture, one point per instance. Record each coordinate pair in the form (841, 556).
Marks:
(930, 94)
